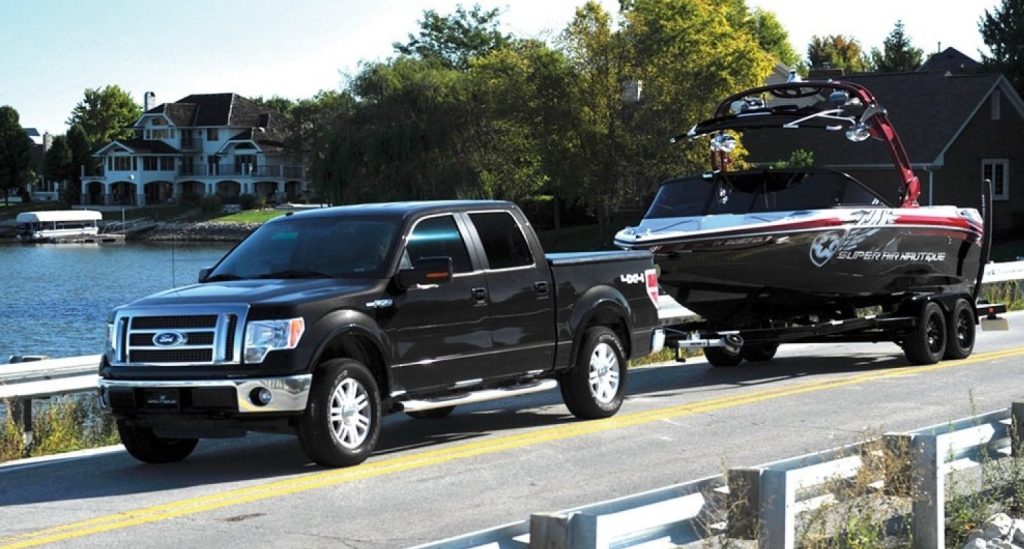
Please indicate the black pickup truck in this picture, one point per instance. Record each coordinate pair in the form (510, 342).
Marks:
(321, 322)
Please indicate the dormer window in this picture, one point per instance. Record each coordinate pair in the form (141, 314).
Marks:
(159, 122)
(212, 134)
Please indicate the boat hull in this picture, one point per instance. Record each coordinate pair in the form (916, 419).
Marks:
(823, 264)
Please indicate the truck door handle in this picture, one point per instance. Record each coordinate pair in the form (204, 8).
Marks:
(479, 294)
(541, 287)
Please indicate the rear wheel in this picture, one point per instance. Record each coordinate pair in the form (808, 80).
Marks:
(341, 423)
(145, 446)
(721, 358)
(436, 413)
(960, 331)
(760, 352)
(595, 387)
(927, 343)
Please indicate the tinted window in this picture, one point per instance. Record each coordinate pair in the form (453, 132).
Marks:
(312, 247)
(503, 242)
(437, 237)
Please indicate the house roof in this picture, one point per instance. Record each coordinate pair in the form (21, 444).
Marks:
(139, 145)
(928, 109)
(950, 60)
(218, 109)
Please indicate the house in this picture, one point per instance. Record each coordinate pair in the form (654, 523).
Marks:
(41, 189)
(958, 129)
(205, 144)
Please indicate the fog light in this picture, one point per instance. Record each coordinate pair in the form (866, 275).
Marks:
(261, 396)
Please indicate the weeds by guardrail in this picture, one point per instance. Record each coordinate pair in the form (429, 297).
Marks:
(889, 491)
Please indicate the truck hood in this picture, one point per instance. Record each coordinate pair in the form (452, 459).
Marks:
(260, 292)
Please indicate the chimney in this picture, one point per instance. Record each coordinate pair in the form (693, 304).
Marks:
(148, 101)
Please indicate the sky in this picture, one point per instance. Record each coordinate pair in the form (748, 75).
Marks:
(55, 49)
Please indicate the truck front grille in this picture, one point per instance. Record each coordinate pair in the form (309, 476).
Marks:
(158, 337)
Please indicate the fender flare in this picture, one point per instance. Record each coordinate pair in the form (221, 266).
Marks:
(351, 322)
(594, 301)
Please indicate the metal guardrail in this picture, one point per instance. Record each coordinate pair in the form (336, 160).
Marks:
(1003, 272)
(764, 503)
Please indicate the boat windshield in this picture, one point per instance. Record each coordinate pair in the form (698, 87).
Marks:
(317, 247)
(760, 191)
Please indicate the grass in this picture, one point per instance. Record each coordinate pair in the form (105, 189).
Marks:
(248, 216)
(62, 424)
(12, 211)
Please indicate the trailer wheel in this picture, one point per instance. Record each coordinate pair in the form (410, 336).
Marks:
(341, 423)
(145, 446)
(927, 343)
(595, 387)
(960, 331)
(720, 358)
(761, 352)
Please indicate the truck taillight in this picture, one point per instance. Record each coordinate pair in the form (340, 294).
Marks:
(651, 280)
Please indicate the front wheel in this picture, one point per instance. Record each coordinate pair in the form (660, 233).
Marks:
(145, 446)
(927, 343)
(595, 387)
(960, 331)
(341, 423)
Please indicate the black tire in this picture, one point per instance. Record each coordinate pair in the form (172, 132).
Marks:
(960, 331)
(761, 352)
(927, 343)
(595, 387)
(720, 358)
(341, 424)
(145, 446)
(436, 413)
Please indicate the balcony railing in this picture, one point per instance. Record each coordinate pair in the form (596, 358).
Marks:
(245, 170)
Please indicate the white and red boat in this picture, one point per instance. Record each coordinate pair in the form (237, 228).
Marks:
(770, 247)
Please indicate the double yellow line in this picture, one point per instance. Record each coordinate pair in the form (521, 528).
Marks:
(428, 458)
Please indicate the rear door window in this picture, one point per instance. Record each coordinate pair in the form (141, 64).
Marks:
(503, 240)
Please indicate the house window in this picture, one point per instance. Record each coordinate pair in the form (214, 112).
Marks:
(159, 121)
(211, 134)
(122, 163)
(998, 172)
(996, 105)
(149, 163)
(166, 163)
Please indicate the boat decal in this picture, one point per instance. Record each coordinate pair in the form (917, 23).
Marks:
(860, 255)
(825, 246)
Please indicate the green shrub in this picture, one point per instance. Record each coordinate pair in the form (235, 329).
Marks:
(211, 203)
(251, 202)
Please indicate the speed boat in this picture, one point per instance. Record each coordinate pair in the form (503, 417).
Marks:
(770, 246)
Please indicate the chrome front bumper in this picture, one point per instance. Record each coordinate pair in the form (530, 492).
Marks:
(288, 394)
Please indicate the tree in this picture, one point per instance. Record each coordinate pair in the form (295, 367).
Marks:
(1003, 32)
(15, 147)
(772, 37)
(105, 114)
(455, 39)
(837, 52)
(898, 53)
(57, 165)
(81, 159)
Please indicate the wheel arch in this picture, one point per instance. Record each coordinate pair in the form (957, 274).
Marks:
(601, 306)
(350, 334)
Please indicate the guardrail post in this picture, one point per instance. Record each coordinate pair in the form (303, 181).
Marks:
(550, 531)
(1017, 428)
(744, 503)
(928, 482)
(22, 413)
(778, 498)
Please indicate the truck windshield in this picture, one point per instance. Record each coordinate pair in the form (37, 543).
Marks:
(319, 247)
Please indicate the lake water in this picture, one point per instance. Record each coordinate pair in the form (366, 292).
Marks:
(54, 299)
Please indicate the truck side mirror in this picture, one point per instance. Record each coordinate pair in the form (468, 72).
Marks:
(427, 270)
(203, 273)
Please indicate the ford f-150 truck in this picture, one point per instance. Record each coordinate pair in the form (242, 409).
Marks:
(321, 322)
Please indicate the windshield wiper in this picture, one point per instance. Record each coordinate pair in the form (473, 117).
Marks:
(295, 273)
(223, 276)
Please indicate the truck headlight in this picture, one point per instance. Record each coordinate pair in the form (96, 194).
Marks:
(263, 336)
(111, 336)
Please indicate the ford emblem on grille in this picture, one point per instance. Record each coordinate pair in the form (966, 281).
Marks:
(169, 339)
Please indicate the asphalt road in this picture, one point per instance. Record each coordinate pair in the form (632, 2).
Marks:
(497, 462)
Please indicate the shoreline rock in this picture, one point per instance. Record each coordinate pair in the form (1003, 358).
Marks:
(195, 232)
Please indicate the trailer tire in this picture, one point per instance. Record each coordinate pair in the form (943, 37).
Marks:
(595, 387)
(760, 352)
(720, 358)
(960, 331)
(341, 424)
(145, 446)
(926, 344)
